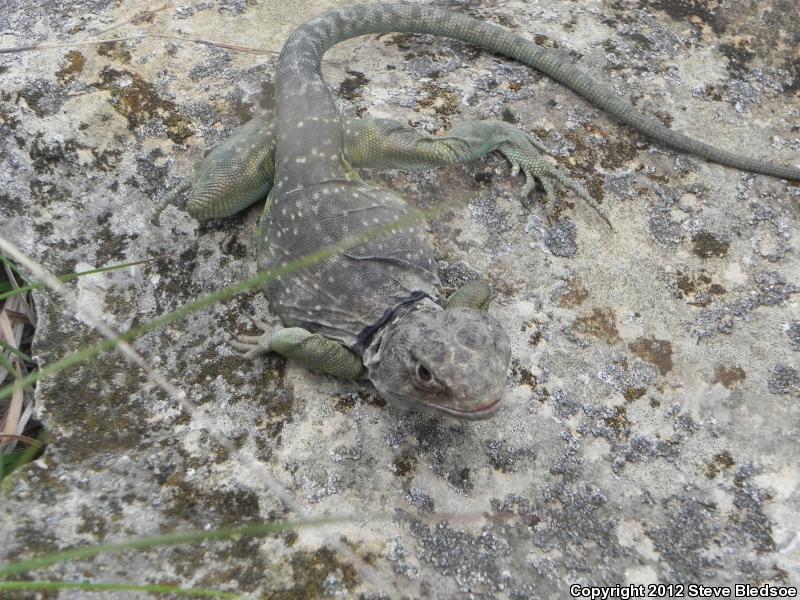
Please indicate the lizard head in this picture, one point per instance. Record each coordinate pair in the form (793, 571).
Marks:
(453, 361)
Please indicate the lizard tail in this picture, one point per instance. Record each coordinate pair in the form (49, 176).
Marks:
(338, 25)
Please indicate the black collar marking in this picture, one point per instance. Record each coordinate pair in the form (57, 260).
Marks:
(365, 337)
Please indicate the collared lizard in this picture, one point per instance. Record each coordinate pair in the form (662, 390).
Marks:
(371, 311)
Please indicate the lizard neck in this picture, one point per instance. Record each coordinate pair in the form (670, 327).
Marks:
(369, 340)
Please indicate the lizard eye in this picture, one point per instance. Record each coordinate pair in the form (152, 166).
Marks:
(424, 375)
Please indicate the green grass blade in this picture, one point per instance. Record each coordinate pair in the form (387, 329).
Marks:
(71, 276)
(11, 461)
(13, 267)
(6, 364)
(15, 351)
(106, 587)
(167, 539)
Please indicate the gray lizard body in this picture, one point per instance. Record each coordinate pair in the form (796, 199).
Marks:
(375, 303)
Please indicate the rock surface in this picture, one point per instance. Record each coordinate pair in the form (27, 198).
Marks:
(650, 428)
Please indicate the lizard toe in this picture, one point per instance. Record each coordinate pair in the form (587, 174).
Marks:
(249, 351)
(261, 325)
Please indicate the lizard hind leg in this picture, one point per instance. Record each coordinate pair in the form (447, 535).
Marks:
(236, 173)
(389, 144)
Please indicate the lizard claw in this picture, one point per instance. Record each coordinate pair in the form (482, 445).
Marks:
(530, 185)
(550, 196)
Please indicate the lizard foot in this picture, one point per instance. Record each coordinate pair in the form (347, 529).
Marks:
(528, 157)
(171, 197)
(253, 346)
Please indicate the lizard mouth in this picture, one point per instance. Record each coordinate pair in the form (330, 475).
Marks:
(482, 412)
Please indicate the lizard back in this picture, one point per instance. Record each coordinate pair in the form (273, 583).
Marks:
(343, 295)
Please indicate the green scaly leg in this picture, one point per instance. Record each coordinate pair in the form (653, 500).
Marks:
(236, 173)
(475, 294)
(388, 144)
(313, 351)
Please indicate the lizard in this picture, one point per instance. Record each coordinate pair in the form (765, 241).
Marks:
(376, 311)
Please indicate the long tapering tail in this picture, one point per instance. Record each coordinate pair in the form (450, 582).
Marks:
(305, 47)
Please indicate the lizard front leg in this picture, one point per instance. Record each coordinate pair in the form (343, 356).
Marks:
(315, 352)
(475, 294)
